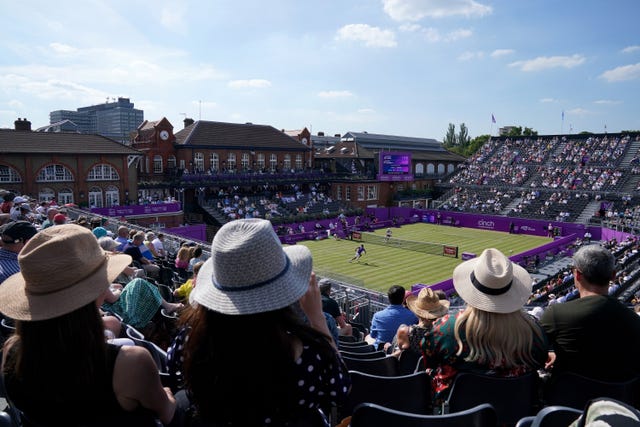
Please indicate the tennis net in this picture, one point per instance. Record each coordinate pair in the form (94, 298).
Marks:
(410, 245)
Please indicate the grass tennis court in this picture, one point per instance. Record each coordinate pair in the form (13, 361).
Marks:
(383, 266)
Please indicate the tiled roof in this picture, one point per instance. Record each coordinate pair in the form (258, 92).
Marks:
(19, 142)
(393, 142)
(235, 135)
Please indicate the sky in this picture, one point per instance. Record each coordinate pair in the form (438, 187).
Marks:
(394, 67)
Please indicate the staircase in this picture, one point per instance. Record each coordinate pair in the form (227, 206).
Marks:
(588, 212)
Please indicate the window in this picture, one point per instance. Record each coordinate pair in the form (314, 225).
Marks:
(245, 161)
(103, 172)
(8, 174)
(95, 197)
(440, 169)
(372, 192)
(261, 162)
(287, 162)
(273, 162)
(431, 169)
(198, 162)
(157, 164)
(451, 167)
(54, 173)
(65, 196)
(299, 161)
(419, 169)
(231, 161)
(171, 162)
(46, 194)
(112, 196)
(360, 192)
(182, 164)
(347, 193)
(339, 192)
(214, 162)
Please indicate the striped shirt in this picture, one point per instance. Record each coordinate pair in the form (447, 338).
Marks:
(8, 264)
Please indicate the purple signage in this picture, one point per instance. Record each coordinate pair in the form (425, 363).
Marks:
(119, 211)
(394, 166)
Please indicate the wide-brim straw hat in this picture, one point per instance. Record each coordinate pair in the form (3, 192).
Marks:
(62, 268)
(249, 270)
(491, 282)
(427, 305)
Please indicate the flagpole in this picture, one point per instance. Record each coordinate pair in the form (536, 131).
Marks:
(562, 124)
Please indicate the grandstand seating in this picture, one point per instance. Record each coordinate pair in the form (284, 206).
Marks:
(387, 366)
(372, 415)
(551, 416)
(573, 390)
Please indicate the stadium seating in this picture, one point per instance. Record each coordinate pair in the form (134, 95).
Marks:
(551, 416)
(573, 390)
(385, 366)
(372, 415)
(363, 355)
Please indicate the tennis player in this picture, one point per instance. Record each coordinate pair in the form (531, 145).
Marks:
(387, 235)
(360, 250)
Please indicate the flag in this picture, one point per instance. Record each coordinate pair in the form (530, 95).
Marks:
(493, 119)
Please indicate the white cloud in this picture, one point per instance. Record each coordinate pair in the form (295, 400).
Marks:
(14, 103)
(366, 111)
(606, 102)
(578, 112)
(249, 83)
(371, 36)
(623, 73)
(501, 52)
(458, 34)
(548, 100)
(546, 62)
(433, 35)
(631, 49)
(63, 49)
(415, 10)
(410, 28)
(467, 56)
(335, 94)
(172, 18)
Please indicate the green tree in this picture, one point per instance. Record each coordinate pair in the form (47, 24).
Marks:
(529, 132)
(515, 131)
(463, 136)
(450, 138)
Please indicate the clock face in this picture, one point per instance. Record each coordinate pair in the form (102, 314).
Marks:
(304, 141)
(164, 135)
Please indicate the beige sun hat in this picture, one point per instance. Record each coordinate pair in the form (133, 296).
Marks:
(491, 282)
(427, 304)
(249, 270)
(62, 268)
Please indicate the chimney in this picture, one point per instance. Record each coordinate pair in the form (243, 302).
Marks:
(320, 133)
(337, 135)
(22, 125)
(188, 121)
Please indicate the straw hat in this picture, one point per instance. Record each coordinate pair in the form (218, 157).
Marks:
(250, 271)
(62, 268)
(427, 304)
(491, 282)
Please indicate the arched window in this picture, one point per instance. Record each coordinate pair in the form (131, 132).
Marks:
(46, 194)
(95, 197)
(198, 162)
(431, 169)
(157, 164)
(419, 169)
(103, 172)
(273, 162)
(231, 161)
(214, 162)
(451, 167)
(54, 173)
(65, 196)
(287, 162)
(440, 169)
(112, 196)
(244, 161)
(9, 174)
(261, 162)
(299, 162)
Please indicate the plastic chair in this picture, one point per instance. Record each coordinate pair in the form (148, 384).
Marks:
(367, 348)
(367, 355)
(551, 416)
(159, 355)
(347, 338)
(574, 390)
(409, 361)
(372, 415)
(384, 366)
(5, 420)
(409, 393)
(513, 398)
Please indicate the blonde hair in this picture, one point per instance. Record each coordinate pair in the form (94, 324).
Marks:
(184, 253)
(497, 339)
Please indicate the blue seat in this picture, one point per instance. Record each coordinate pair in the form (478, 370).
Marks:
(573, 390)
(551, 416)
(372, 415)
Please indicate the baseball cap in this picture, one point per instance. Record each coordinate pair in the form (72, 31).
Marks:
(19, 199)
(18, 231)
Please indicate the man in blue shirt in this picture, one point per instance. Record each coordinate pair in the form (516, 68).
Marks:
(385, 323)
(14, 236)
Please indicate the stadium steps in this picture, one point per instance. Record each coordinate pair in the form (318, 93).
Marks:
(511, 205)
(632, 150)
(588, 212)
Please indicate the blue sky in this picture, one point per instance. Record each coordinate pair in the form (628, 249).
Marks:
(398, 67)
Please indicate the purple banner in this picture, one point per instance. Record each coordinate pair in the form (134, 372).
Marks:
(192, 232)
(118, 211)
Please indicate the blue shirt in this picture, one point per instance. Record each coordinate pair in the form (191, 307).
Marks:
(385, 323)
(8, 264)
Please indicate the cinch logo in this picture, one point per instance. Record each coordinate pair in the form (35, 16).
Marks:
(527, 228)
(486, 224)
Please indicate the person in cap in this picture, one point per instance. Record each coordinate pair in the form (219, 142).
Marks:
(250, 358)
(59, 219)
(428, 306)
(331, 306)
(14, 236)
(493, 334)
(15, 209)
(57, 367)
(594, 335)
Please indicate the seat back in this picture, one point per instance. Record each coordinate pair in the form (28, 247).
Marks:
(159, 355)
(367, 355)
(372, 415)
(409, 361)
(367, 348)
(513, 398)
(552, 416)
(346, 338)
(384, 366)
(573, 390)
(5, 420)
(409, 393)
